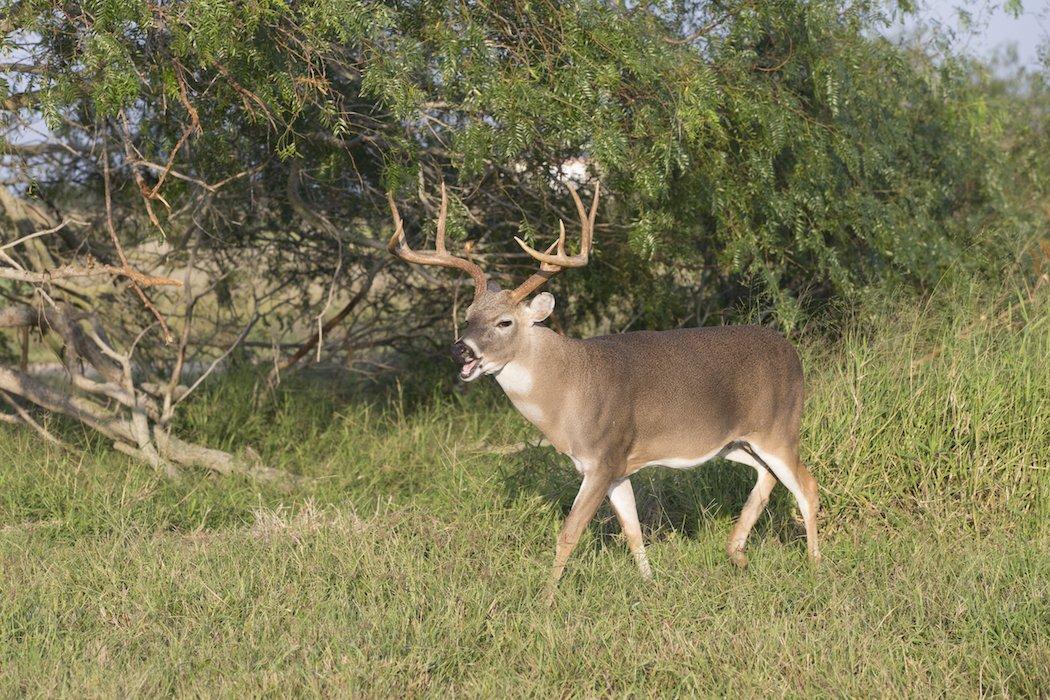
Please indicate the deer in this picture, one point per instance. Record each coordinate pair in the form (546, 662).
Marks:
(616, 404)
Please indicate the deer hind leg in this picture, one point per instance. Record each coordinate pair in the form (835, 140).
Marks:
(621, 495)
(756, 503)
(791, 472)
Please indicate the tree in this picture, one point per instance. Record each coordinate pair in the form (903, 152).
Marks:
(774, 151)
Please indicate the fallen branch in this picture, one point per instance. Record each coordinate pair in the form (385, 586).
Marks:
(26, 419)
(113, 405)
(55, 401)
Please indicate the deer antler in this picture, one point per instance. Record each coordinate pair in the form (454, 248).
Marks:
(551, 265)
(439, 257)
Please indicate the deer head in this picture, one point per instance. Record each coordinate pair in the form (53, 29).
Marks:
(499, 321)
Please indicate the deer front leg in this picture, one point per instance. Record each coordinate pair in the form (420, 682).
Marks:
(592, 491)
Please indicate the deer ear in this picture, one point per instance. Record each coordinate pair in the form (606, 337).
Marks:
(541, 306)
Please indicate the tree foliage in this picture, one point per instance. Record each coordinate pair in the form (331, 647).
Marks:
(779, 151)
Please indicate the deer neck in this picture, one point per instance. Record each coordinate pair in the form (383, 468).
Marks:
(532, 379)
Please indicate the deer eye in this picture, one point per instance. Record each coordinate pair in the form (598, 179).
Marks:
(505, 323)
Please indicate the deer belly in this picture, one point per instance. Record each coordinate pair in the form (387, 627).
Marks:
(681, 462)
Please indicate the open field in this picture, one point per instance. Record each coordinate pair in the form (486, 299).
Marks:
(411, 563)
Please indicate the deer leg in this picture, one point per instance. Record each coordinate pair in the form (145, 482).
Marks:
(592, 491)
(621, 495)
(756, 503)
(809, 515)
(791, 472)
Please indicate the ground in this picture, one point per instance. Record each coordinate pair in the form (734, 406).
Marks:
(413, 559)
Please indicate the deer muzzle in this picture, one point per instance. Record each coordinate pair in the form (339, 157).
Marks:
(462, 353)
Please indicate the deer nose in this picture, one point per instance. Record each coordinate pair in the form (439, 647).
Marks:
(461, 352)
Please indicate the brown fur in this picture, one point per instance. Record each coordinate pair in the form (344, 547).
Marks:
(617, 403)
(620, 402)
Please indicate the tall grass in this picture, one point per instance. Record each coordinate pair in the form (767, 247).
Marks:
(939, 408)
(410, 564)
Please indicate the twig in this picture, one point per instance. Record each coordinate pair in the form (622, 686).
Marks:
(215, 363)
(210, 187)
(328, 303)
(774, 69)
(45, 232)
(120, 250)
(189, 304)
(144, 191)
(306, 347)
(28, 420)
(698, 33)
(247, 96)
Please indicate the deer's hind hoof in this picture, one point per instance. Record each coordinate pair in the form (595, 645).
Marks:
(739, 559)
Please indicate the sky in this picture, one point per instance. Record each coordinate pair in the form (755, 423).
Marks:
(992, 29)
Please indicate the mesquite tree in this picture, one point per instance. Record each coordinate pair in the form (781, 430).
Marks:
(776, 151)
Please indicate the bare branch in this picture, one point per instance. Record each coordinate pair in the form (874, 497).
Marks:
(28, 420)
(704, 29)
(37, 234)
(120, 250)
(332, 323)
(91, 269)
(215, 363)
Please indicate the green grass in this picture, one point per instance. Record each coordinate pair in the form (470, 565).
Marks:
(413, 563)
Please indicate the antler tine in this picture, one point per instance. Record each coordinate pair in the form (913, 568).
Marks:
(586, 219)
(440, 257)
(551, 265)
(439, 239)
(399, 230)
(536, 279)
(594, 206)
(589, 216)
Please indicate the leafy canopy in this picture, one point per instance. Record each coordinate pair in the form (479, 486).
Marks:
(774, 150)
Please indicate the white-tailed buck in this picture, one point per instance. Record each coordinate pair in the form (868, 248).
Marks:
(617, 403)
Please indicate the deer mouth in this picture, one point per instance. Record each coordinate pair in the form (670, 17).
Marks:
(470, 370)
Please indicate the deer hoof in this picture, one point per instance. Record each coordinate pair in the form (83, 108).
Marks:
(739, 559)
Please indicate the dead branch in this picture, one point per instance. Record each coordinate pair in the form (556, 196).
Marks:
(120, 250)
(90, 269)
(38, 234)
(113, 405)
(27, 419)
(55, 401)
(307, 346)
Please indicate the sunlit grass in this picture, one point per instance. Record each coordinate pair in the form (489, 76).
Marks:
(412, 561)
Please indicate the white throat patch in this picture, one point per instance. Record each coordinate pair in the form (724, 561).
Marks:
(515, 379)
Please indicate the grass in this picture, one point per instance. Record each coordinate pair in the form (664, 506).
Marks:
(412, 563)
